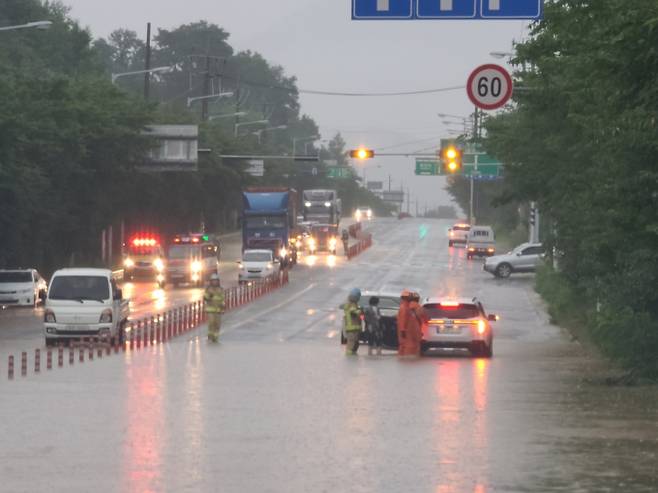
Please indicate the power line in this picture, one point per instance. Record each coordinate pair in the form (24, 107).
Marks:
(380, 94)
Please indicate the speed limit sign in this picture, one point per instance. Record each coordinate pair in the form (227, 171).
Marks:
(490, 87)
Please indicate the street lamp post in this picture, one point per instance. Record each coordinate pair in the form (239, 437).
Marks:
(210, 96)
(139, 72)
(227, 115)
(237, 126)
(302, 139)
(29, 25)
(260, 132)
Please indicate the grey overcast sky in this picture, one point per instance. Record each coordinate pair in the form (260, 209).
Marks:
(317, 41)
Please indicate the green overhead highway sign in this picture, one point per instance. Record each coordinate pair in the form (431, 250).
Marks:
(338, 172)
(428, 167)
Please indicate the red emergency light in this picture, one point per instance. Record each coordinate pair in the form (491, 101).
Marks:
(144, 242)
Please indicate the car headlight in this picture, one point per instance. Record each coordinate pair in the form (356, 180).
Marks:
(369, 213)
(270, 265)
(49, 317)
(327, 204)
(307, 204)
(283, 252)
(158, 264)
(197, 266)
(106, 317)
(332, 242)
(129, 263)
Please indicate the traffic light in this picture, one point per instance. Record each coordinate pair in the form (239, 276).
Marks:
(362, 154)
(452, 159)
(533, 216)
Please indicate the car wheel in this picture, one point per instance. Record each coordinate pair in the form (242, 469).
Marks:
(423, 349)
(504, 270)
(450, 243)
(50, 343)
(343, 341)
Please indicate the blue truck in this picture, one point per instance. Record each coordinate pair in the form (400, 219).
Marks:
(269, 221)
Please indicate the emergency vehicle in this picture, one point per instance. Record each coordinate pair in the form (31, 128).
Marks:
(192, 258)
(143, 257)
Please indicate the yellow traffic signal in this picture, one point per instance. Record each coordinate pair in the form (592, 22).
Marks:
(452, 159)
(362, 153)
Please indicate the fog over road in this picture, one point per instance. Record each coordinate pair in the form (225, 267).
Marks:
(278, 407)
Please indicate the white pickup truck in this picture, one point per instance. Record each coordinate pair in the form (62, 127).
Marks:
(84, 303)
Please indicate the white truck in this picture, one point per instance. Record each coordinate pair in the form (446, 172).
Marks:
(84, 303)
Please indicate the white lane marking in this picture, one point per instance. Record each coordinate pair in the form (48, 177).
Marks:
(269, 310)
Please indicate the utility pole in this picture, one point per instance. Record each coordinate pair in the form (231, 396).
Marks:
(408, 201)
(476, 137)
(147, 64)
(389, 182)
(206, 91)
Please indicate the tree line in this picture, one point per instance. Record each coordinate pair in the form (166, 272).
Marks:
(70, 139)
(581, 139)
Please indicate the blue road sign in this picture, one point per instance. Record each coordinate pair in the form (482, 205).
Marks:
(382, 9)
(447, 9)
(511, 9)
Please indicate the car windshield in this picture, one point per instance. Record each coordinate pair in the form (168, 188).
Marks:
(257, 257)
(460, 311)
(461, 228)
(183, 251)
(389, 304)
(7, 277)
(79, 288)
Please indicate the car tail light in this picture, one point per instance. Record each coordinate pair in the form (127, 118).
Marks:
(49, 317)
(482, 327)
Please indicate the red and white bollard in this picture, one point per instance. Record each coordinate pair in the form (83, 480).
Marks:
(81, 355)
(23, 364)
(10, 367)
(49, 359)
(37, 360)
(71, 356)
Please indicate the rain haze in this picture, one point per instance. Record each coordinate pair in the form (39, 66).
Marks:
(316, 41)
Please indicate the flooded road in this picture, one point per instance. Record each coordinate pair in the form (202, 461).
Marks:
(277, 407)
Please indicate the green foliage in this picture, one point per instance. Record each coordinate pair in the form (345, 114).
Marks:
(583, 142)
(70, 139)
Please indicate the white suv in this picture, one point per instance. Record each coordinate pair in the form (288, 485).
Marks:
(458, 234)
(458, 324)
(524, 258)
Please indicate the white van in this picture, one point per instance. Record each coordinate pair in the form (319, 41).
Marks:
(84, 303)
(481, 242)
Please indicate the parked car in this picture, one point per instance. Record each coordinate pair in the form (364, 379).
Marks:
(23, 287)
(257, 265)
(84, 303)
(404, 215)
(524, 258)
(389, 305)
(458, 234)
(481, 242)
(458, 324)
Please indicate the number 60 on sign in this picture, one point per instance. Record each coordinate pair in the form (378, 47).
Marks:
(489, 87)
